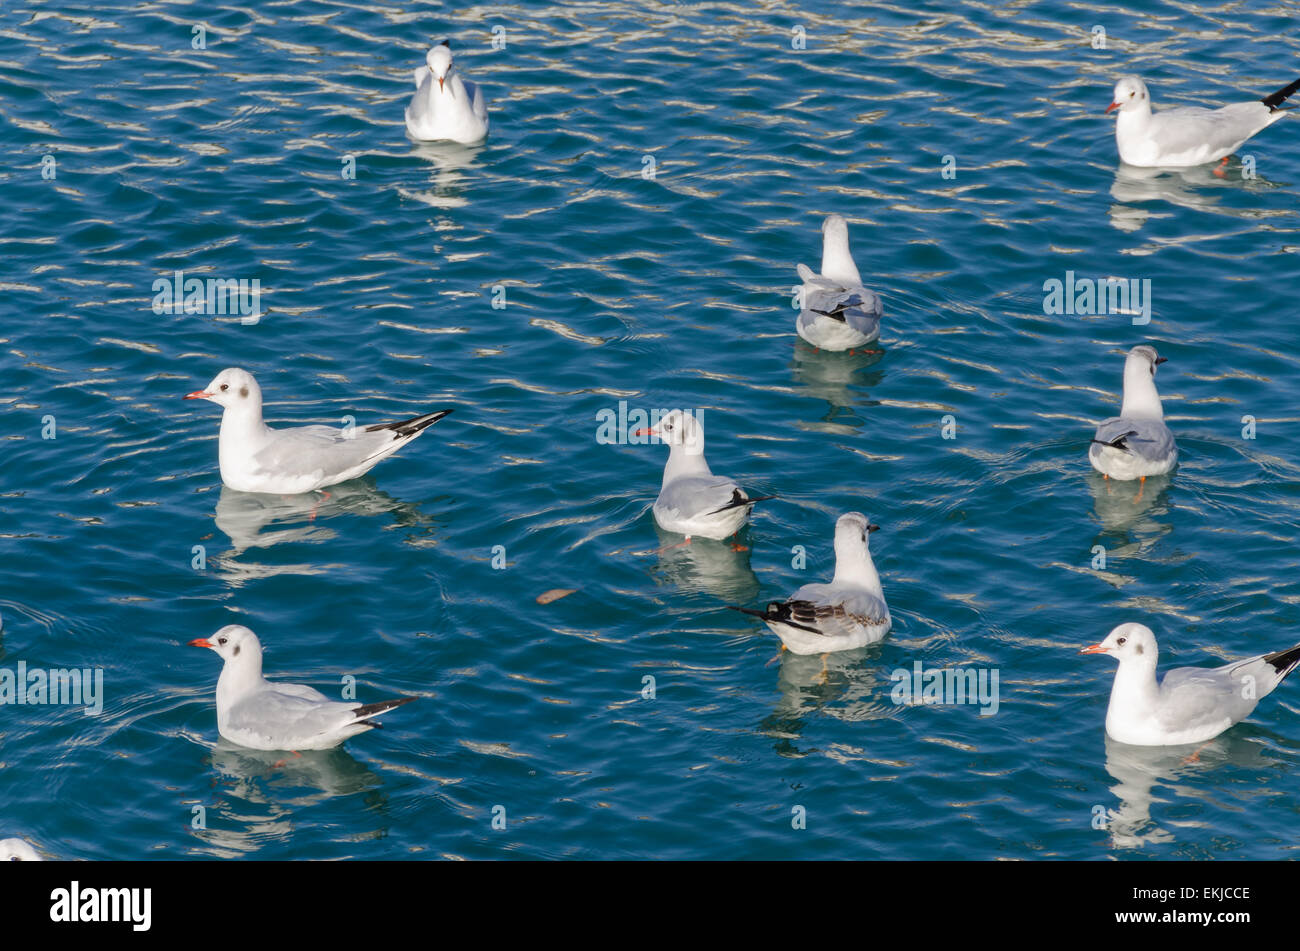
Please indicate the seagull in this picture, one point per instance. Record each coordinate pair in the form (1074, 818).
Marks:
(256, 458)
(692, 500)
(16, 850)
(848, 613)
(838, 313)
(1187, 135)
(1192, 704)
(445, 107)
(1136, 443)
(256, 713)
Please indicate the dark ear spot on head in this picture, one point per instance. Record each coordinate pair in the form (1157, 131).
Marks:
(1137, 648)
(235, 652)
(243, 391)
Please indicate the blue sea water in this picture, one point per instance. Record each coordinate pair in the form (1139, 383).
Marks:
(654, 173)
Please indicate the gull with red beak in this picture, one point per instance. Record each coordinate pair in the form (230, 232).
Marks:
(445, 107)
(1192, 704)
(261, 715)
(256, 458)
(1136, 443)
(692, 500)
(847, 613)
(837, 312)
(1187, 135)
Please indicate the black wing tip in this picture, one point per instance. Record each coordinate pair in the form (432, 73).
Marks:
(1118, 441)
(446, 43)
(738, 499)
(364, 712)
(409, 427)
(1274, 100)
(1284, 661)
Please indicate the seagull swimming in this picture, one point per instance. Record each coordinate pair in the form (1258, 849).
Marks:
(838, 313)
(261, 715)
(849, 612)
(256, 458)
(692, 500)
(445, 107)
(16, 850)
(1192, 704)
(1136, 443)
(1187, 135)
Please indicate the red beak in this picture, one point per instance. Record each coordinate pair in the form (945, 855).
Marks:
(440, 79)
(644, 432)
(1094, 649)
(199, 642)
(197, 395)
(1113, 105)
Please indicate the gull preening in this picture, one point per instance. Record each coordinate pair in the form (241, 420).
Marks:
(16, 850)
(692, 500)
(1187, 135)
(849, 612)
(445, 107)
(1192, 704)
(256, 458)
(1136, 443)
(261, 715)
(837, 312)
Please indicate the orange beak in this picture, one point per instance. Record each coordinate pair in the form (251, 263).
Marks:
(197, 395)
(647, 431)
(440, 79)
(1113, 105)
(199, 642)
(1094, 649)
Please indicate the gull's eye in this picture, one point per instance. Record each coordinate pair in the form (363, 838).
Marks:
(1121, 641)
(668, 426)
(1130, 95)
(221, 641)
(224, 387)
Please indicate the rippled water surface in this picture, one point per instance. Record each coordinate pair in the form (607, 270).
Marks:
(662, 290)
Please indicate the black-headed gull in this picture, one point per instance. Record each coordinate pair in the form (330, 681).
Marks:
(256, 458)
(261, 715)
(1192, 704)
(838, 313)
(1136, 443)
(445, 107)
(692, 500)
(848, 613)
(16, 850)
(1187, 135)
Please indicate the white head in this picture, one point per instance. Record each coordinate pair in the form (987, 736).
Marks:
(439, 62)
(16, 850)
(678, 430)
(837, 262)
(1130, 96)
(852, 530)
(1129, 644)
(232, 388)
(236, 645)
(1141, 400)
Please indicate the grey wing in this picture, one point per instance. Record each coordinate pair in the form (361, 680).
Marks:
(1147, 438)
(697, 495)
(1196, 697)
(836, 613)
(276, 713)
(477, 100)
(1189, 127)
(325, 450)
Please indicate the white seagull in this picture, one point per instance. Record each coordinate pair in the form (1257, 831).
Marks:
(256, 458)
(1136, 443)
(692, 500)
(1187, 135)
(849, 612)
(1192, 704)
(16, 850)
(838, 313)
(445, 107)
(261, 715)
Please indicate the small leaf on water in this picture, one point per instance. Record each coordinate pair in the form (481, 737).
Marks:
(554, 594)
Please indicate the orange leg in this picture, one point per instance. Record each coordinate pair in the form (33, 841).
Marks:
(1219, 171)
(1142, 484)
